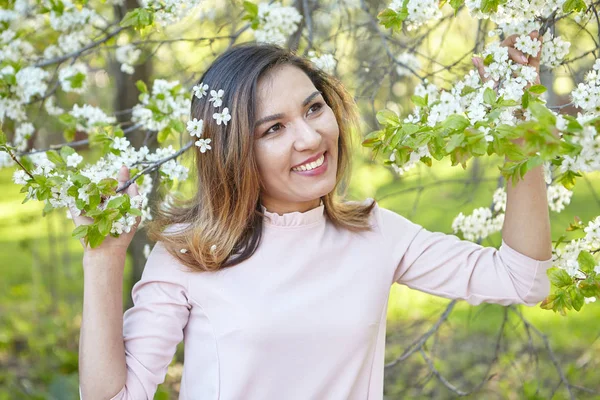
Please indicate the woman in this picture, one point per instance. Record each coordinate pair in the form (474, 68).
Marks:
(278, 287)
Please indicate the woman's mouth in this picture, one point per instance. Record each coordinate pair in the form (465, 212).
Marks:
(314, 168)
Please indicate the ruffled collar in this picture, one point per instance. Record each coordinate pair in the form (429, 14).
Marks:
(296, 218)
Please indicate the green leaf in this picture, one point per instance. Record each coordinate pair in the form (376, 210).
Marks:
(163, 134)
(385, 117)
(525, 99)
(455, 141)
(586, 262)
(141, 86)
(562, 302)
(2, 138)
(419, 101)
(372, 138)
(69, 134)
(542, 113)
(590, 287)
(80, 231)
(116, 202)
(456, 122)
(135, 211)
(66, 151)
(574, 5)
(456, 4)
(392, 19)
(490, 6)
(130, 18)
(466, 90)
(489, 96)
(577, 298)
(537, 89)
(108, 186)
(251, 9)
(104, 226)
(138, 18)
(80, 179)
(95, 239)
(567, 179)
(559, 277)
(177, 125)
(77, 80)
(54, 157)
(488, 60)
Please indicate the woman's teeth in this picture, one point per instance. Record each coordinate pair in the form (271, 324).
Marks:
(312, 165)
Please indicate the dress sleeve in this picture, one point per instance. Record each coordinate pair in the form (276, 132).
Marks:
(153, 327)
(444, 265)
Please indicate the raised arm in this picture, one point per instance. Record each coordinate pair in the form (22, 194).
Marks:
(126, 357)
(132, 352)
(446, 266)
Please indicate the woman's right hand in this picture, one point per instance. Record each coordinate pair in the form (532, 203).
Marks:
(111, 244)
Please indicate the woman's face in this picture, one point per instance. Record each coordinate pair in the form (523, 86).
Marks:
(293, 130)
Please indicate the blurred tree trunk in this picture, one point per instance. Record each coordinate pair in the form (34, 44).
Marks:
(126, 96)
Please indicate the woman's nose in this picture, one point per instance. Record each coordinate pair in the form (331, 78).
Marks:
(307, 136)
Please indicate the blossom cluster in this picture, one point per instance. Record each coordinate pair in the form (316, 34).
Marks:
(407, 64)
(485, 221)
(167, 102)
(566, 257)
(419, 11)
(63, 178)
(325, 62)
(127, 55)
(195, 127)
(276, 23)
(169, 11)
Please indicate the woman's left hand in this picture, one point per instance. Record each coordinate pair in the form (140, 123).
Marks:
(515, 55)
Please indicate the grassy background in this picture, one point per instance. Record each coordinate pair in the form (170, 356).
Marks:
(41, 292)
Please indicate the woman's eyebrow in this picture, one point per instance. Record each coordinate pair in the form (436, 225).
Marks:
(277, 116)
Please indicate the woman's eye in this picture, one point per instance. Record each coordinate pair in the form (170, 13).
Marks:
(270, 130)
(316, 107)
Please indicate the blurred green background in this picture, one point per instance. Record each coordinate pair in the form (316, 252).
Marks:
(490, 348)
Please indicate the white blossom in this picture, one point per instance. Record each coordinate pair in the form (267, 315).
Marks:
(74, 160)
(30, 82)
(216, 97)
(325, 62)
(71, 73)
(223, 116)
(127, 55)
(20, 177)
(409, 64)
(195, 127)
(203, 144)
(276, 23)
(200, 90)
(88, 116)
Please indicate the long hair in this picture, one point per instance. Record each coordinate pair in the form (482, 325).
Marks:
(221, 225)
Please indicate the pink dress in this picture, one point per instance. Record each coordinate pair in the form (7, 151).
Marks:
(305, 317)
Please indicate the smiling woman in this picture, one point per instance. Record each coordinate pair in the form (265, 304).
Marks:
(277, 285)
(265, 156)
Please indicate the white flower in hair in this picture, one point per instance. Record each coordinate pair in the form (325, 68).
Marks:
(203, 144)
(223, 117)
(195, 127)
(217, 97)
(200, 90)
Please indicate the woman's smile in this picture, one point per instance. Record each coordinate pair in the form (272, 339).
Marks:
(314, 168)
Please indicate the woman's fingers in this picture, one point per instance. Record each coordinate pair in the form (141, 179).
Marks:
(535, 61)
(478, 62)
(517, 56)
(122, 177)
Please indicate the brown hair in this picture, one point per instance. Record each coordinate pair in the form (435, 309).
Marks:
(225, 214)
